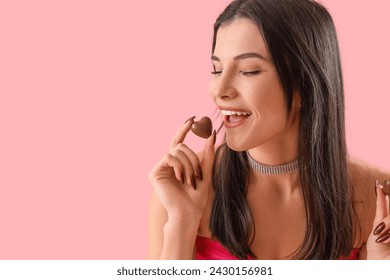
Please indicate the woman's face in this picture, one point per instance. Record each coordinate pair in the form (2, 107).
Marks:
(247, 90)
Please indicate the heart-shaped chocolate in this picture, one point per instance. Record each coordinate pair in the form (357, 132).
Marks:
(202, 128)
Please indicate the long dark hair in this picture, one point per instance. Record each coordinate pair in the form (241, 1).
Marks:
(301, 39)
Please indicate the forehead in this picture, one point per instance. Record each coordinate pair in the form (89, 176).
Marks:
(237, 37)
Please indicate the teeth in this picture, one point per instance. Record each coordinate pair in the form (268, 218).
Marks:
(229, 113)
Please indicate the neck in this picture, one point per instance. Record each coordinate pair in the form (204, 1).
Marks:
(279, 150)
(281, 182)
(279, 185)
(272, 156)
(272, 169)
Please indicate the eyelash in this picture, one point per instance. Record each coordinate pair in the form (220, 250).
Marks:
(250, 73)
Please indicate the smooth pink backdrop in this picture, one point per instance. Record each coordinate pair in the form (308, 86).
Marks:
(91, 93)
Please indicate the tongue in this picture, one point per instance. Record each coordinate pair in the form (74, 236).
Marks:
(236, 118)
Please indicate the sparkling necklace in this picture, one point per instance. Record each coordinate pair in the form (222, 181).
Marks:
(272, 169)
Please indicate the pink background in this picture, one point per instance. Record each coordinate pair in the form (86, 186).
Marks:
(91, 93)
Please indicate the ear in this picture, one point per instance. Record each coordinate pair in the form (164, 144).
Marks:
(297, 99)
(295, 106)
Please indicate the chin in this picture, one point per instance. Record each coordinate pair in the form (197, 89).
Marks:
(236, 146)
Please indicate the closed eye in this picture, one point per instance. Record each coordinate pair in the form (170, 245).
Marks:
(250, 73)
(215, 72)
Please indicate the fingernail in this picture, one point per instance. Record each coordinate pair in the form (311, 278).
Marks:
(219, 129)
(386, 187)
(193, 182)
(199, 172)
(215, 136)
(376, 186)
(379, 228)
(190, 119)
(383, 238)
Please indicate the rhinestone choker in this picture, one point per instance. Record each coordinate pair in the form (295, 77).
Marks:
(272, 169)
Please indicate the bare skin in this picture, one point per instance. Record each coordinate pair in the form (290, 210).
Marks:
(270, 202)
(169, 235)
(246, 81)
(179, 199)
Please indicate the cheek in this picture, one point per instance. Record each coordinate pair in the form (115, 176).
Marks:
(266, 98)
(270, 108)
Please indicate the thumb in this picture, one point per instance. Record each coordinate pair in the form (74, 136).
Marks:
(381, 205)
(208, 156)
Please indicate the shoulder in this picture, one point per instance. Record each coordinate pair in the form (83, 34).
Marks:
(362, 177)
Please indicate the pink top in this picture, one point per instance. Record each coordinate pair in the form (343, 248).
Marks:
(209, 249)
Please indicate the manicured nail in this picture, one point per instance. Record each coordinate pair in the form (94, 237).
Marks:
(190, 119)
(219, 129)
(383, 237)
(199, 172)
(379, 228)
(386, 187)
(193, 182)
(215, 136)
(376, 186)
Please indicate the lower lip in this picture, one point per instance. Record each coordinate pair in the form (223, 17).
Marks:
(233, 124)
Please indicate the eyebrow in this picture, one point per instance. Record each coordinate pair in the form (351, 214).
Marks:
(243, 56)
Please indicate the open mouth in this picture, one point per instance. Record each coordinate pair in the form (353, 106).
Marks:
(234, 117)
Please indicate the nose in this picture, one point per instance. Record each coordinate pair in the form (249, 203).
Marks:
(222, 88)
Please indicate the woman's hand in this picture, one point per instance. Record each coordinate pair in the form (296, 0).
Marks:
(378, 244)
(181, 180)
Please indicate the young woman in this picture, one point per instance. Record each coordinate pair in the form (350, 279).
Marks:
(281, 185)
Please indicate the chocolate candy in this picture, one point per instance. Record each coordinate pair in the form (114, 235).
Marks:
(202, 128)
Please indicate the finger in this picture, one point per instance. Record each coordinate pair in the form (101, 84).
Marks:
(177, 166)
(384, 238)
(381, 205)
(181, 133)
(382, 231)
(192, 158)
(208, 156)
(188, 169)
